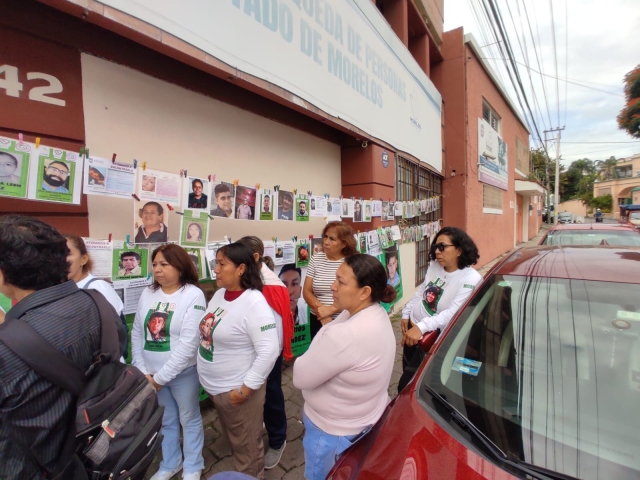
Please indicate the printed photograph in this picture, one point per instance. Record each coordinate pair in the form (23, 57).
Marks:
(197, 198)
(285, 205)
(245, 203)
(223, 199)
(148, 183)
(149, 223)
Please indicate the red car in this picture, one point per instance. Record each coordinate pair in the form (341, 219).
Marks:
(592, 234)
(538, 376)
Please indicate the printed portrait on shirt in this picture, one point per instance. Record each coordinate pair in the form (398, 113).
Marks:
(157, 327)
(431, 297)
(207, 325)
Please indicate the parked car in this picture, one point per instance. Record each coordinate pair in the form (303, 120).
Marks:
(592, 234)
(537, 376)
(565, 217)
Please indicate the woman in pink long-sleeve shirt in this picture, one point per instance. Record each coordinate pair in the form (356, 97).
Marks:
(345, 374)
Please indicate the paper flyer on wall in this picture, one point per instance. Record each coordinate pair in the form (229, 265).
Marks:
(358, 211)
(390, 258)
(293, 278)
(199, 260)
(318, 206)
(101, 253)
(195, 193)
(376, 208)
(316, 246)
(106, 177)
(129, 261)
(347, 208)
(367, 211)
(285, 253)
(302, 208)
(210, 252)
(15, 158)
(266, 203)
(193, 231)
(395, 233)
(373, 243)
(150, 222)
(245, 203)
(162, 187)
(361, 242)
(269, 249)
(222, 199)
(334, 206)
(130, 291)
(55, 176)
(397, 209)
(303, 249)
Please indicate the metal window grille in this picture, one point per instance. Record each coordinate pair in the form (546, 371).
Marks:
(491, 197)
(415, 182)
(490, 115)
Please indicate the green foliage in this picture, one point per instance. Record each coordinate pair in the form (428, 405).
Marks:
(604, 203)
(629, 117)
(606, 168)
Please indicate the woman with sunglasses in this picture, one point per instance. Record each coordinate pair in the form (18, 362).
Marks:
(449, 282)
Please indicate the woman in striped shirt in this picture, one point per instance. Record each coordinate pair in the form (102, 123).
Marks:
(337, 243)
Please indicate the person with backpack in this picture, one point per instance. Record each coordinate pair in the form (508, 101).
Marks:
(37, 415)
(165, 351)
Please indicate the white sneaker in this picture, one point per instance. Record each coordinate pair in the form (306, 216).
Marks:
(191, 476)
(166, 474)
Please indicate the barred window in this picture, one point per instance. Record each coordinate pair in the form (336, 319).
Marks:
(490, 115)
(492, 199)
(413, 181)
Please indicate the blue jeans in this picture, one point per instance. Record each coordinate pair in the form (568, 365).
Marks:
(321, 450)
(181, 405)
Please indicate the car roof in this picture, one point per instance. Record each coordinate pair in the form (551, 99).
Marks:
(591, 226)
(581, 262)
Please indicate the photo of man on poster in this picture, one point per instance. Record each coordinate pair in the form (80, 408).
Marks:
(56, 177)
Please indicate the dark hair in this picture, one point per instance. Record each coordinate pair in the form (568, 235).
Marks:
(432, 288)
(265, 196)
(370, 273)
(239, 254)
(59, 163)
(178, 258)
(221, 188)
(78, 242)
(94, 169)
(344, 233)
(33, 253)
(12, 157)
(193, 183)
(158, 206)
(290, 267)
(461, 240)
(255, 245)
(199, 229)
(287, 194)
(130, 254)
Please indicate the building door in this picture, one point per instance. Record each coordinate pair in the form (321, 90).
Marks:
(519, 218)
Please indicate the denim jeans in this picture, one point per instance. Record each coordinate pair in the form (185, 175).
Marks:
(321, 450)
(181, 405)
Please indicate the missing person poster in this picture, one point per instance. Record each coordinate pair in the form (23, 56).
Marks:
(56, 176)
(105, 177)
(101, 253)
(195, 194)
(211, 251)
(302, 208)
(150, 222)
(14, 167)
(293, 278)
(303, 249)
(390, 259)
(157, 327)
(162, 187)
(129, 261)
(223, 199)
(193, 232)
(267, 203)
(318, 206)
(199, 260)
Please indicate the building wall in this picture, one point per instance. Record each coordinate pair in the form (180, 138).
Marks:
(483, 226)
(535, 218)
(171, 128)
(573, 206)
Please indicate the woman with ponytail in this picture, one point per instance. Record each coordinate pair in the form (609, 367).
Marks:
(345, 374)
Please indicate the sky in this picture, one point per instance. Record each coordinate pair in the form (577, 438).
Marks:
(596, 45)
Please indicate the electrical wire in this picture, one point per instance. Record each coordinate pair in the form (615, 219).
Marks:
(555, 58)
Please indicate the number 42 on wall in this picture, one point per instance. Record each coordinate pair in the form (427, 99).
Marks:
(12, 86)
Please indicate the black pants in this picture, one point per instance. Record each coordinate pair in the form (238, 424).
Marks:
(275, 418)
(411, 359)
(314, 325)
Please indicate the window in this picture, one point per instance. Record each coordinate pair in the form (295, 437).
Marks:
(491, 199)
(490, 115)
(413, 182)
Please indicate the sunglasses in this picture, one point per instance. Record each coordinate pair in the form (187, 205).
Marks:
(442, 246)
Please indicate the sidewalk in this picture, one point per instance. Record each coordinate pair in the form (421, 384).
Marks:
(217, 454)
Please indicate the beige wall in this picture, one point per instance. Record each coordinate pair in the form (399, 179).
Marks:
(573, 206)
(171, 128)
(408, 259)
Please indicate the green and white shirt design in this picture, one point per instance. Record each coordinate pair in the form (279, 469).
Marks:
(207, 326)
(157, 327)
(432, 294)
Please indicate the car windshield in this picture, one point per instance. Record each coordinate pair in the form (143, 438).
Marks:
(548, 369)
(593, 237)
(635, 216)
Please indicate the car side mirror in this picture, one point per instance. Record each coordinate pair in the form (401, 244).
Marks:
(427, 340)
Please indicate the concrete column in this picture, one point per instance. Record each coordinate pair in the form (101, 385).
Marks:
(419, 48)
(397, 14)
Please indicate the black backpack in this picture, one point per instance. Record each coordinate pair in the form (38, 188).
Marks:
(116, 432)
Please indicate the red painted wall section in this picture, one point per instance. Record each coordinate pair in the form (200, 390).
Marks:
(419, 48)
(364, 175)
(494, 234)
(397, 14)
(448, 77)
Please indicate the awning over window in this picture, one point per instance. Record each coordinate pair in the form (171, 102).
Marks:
(524, 187)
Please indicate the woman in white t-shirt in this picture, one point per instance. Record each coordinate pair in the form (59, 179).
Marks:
(449, 282)
(164, 341)
(238, 350)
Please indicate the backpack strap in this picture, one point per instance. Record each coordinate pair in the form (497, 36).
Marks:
(110, 342)
(86, 285)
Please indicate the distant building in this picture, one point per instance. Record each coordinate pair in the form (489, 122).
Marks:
(624, 185)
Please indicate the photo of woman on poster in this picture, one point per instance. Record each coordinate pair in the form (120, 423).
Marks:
(194, 232)
(148, 183)
(96, 176)
(9, 166)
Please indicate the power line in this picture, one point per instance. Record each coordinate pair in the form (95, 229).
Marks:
(555, 57)
(566, 56)
(601, 143)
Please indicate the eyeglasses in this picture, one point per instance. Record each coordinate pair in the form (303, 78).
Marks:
(442, 246)
(62, 173)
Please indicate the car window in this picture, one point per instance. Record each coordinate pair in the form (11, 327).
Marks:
(593, 237)
(549, 371)
(635, 216)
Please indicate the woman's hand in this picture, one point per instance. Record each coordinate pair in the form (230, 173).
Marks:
(238, 397)
(404, 325)
(324, 311)
(153, 382)
(325, 320)
(411, 337)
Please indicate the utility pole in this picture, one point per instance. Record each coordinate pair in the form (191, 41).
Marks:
(556, 193)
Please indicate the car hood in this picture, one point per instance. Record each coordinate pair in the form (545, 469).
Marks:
(413, 446)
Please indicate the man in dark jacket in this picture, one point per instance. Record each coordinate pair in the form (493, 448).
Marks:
(35, 415)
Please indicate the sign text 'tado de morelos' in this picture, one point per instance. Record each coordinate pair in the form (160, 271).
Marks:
(339, 55)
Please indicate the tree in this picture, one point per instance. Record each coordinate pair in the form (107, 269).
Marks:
(577, 181)
(629, 117)
(539, 170)
(607, 168)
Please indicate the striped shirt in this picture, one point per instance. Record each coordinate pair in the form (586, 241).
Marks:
(323, 272)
